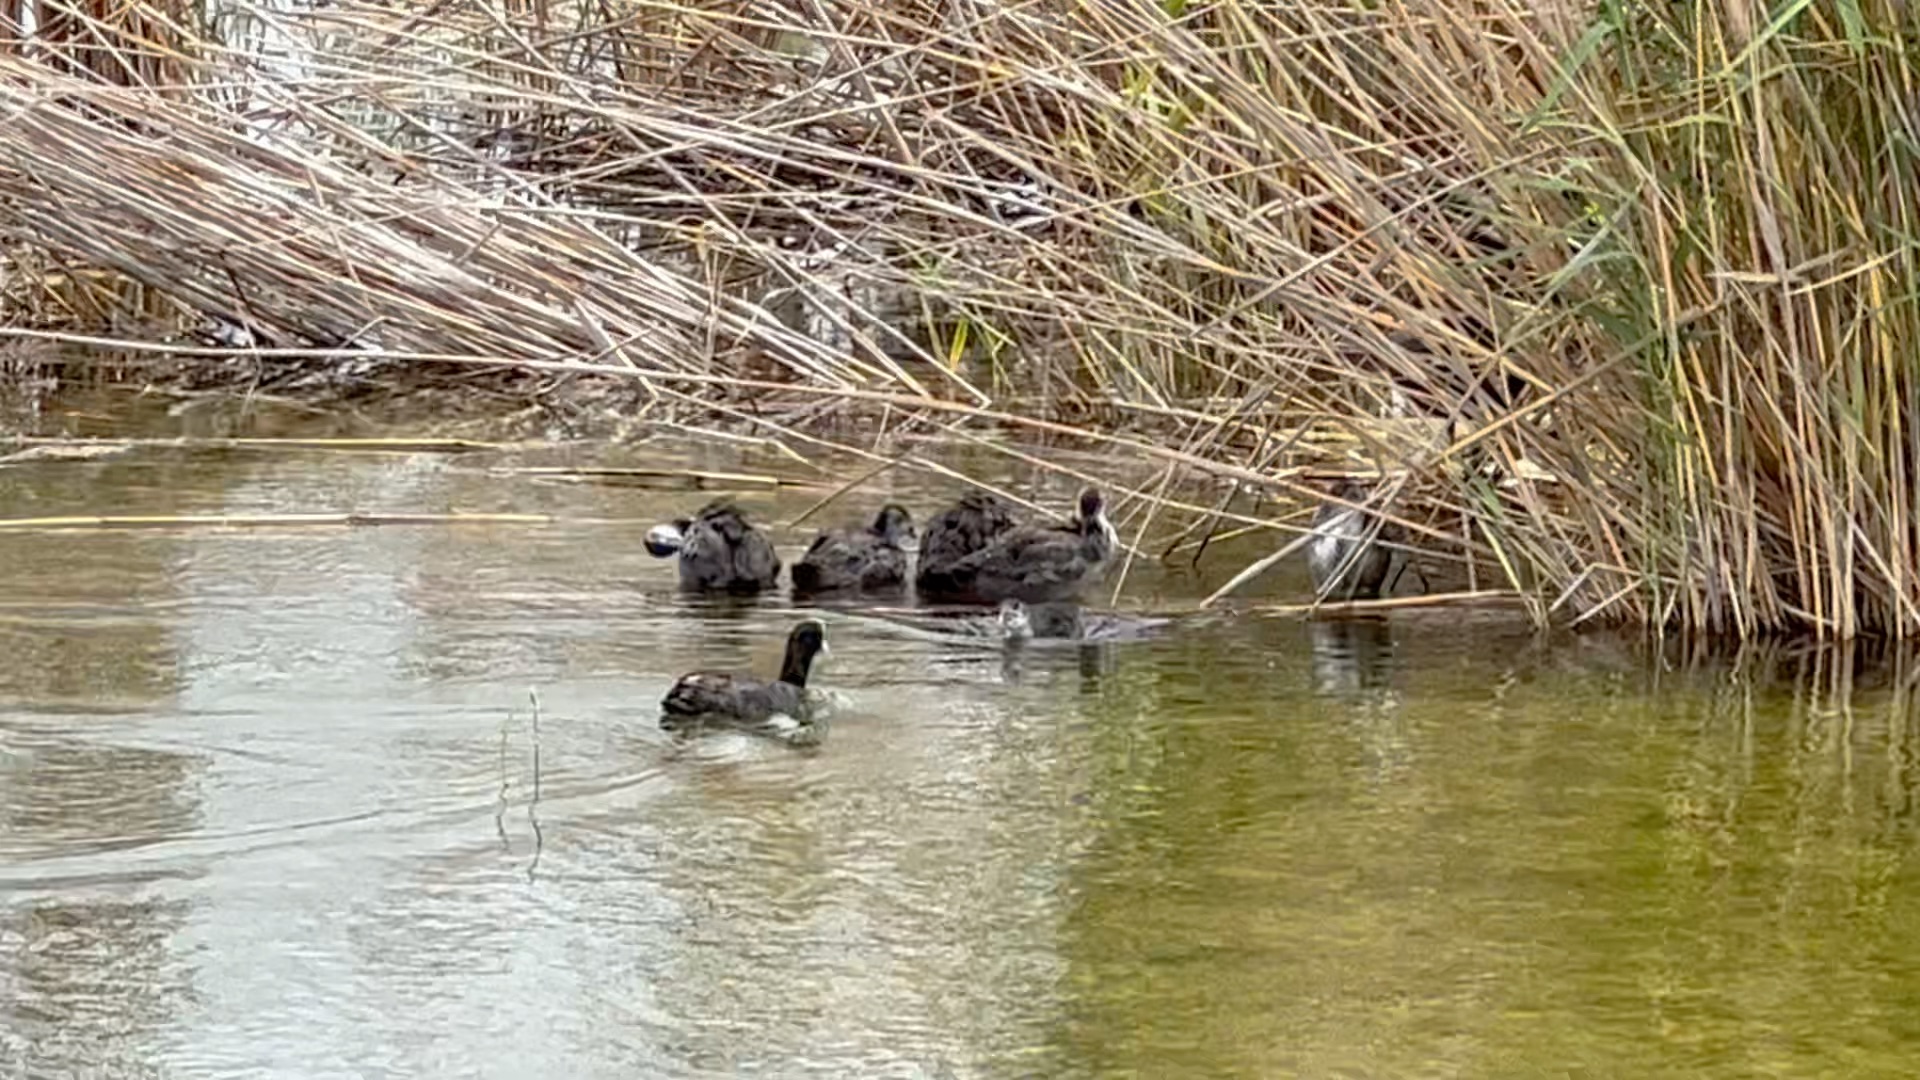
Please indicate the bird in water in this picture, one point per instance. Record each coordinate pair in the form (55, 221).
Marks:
(1070, 622)
(1032, 563)
(1014, 622)
(742, 701)
(959, 531)
(719, 550)
(1344, 562)
(1047, 620)
(873, 559)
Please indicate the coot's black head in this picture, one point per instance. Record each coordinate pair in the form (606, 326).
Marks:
(1094, 525)
(1093, 505)
(807, 641)
(895, 526)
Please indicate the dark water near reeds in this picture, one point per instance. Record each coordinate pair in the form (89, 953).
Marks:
(273, 802)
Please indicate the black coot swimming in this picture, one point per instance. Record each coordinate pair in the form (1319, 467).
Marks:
(726, 699)
(1033, 563)
(873, 559)
(720, 551)
(1344, 563)
(959, 531)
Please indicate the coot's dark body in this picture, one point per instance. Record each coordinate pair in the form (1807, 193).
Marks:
(725, 698)
(1341, 540)
(1056, 620)
(873, 559)
(1032, 563)
(720, 551)
(961, 530)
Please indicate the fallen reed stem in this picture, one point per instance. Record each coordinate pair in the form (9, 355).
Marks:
(255, 521)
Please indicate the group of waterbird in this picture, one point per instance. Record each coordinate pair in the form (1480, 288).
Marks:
(974, 553)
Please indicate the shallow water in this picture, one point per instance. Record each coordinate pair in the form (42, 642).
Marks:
(276, 802)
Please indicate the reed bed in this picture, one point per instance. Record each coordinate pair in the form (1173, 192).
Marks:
(1620, 303)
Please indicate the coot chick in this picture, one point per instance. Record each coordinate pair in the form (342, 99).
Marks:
(1070, 622)
(1034, 563)
(723, 698)
(1340, 541)
(1056, 621)
(720, 551)
(1014, 622)
(959, 531)
(872, 559)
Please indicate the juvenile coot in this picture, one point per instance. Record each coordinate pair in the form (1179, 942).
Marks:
(1340, 540)
(870, 559)
(718, 697)
(959, 531)
(1070, 622)
(1034, 563)
(1015, 621)
(1052, 620)
(720, 551)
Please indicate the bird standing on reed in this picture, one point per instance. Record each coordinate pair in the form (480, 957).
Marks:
(1345, 562)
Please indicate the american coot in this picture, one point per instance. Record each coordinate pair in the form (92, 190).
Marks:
(720, 551)
(959, 531)
(1070, 622)
(1340, 541)
(1034, 563)
(1015, 622)
(1024, 622)
(872, 559)
(723, 698)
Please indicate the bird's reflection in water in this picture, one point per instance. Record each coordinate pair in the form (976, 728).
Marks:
(1350, 655)
(1353, 663)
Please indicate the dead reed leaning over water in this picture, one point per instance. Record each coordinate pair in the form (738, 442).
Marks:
(1623, 302)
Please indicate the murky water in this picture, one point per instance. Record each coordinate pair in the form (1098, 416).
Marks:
(274, 801)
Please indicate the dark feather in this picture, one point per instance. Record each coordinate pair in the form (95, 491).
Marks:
(873, 559)
(959, 531)
(723, 552)
(1034, 563)
(733, 700)
(737, 698)
(1344, 562)
(1071, 622)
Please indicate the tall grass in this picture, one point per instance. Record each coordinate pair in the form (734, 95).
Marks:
(1651, 270)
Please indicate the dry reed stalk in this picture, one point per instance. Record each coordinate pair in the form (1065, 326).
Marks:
(1472, 598)
(688, 479)
(390, 445)
(255, 521)
(839, 491)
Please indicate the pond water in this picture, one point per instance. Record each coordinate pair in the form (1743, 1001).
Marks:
(275, 801)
